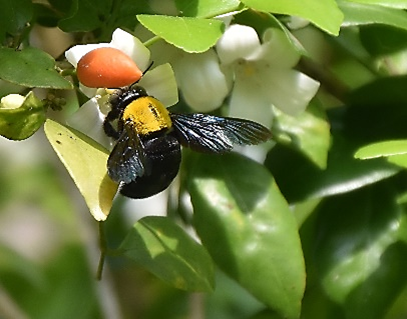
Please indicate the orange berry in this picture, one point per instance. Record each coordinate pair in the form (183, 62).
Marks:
(107, 68)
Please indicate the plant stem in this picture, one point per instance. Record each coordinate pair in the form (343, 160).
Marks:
(103, 250)
(152, 41)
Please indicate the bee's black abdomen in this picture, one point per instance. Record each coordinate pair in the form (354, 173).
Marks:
(164, 158)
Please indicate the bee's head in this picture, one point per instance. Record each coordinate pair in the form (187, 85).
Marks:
(123, 96)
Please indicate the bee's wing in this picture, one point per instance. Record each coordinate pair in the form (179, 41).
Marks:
(207, 133)
(127, 160)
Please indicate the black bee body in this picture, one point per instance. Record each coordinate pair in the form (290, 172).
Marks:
(147, 154)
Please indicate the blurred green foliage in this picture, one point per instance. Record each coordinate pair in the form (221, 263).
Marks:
(314, 232)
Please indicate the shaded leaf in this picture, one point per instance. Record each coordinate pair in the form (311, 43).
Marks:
(86, 15)
(31, 67)
(22, 122)
(248, 229)
(163, 248)
(381, 39)
(45, 15)
(308, 133)
(360, 261)
(189, 34)
(13, 16)
(299, 180)
(382, 91)
(85, 161)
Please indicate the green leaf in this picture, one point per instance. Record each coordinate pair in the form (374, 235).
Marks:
(206, 8)
(45, 15)
(387, 94)
(128, 10)
(22, 122)
(86, 15)
(400, 160)
(359, 258)
(381, 39)
(324, 14)
(360, 14)
(382, 149)
(398, 4)
(309, 133)
(385, 91)
(31, 67)
(247, 227)
(163, 248)
(192, 35)
(299, 180)
(14, 16)
(85, 161)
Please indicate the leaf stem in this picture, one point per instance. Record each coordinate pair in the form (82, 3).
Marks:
(103, 250)
(152, 41)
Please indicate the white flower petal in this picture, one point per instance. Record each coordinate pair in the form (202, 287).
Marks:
(74, 54)
(132, 46)
(202, 83)
(276, 50)
(289, 90)
(237, 42)
(247, 102)
(89, 92)
(160, 83)
(89, 120)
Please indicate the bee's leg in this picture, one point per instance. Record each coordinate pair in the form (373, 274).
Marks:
(107, 124)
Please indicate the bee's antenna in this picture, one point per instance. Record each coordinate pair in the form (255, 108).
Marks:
(145, 71)
(148, 68)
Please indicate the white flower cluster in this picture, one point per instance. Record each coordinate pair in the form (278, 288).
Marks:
(256, 75)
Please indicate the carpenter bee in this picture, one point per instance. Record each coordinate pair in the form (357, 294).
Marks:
(147, 153)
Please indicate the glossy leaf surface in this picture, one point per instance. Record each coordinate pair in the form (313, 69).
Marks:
(163, 248)
(248, 229)
(343, 174)
(308, 132)
(359, 257)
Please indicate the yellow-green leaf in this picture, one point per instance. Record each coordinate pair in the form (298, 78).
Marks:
(192, 35)
(85, 161)
(382, 149)
(324, 14)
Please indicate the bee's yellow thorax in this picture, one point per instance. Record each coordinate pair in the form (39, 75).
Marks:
(147, 115)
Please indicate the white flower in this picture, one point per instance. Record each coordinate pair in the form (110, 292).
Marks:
(158, 82)
(263, 74)
(202, 83)
(199, 76)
